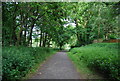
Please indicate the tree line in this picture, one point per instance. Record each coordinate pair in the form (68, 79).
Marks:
(45, 23)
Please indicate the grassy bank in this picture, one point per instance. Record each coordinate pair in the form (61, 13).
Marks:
(19, 61)
(100, 57)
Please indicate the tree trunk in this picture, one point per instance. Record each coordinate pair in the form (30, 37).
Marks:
(30, 33)
(77, 33)
(14, 36)
(41, 35)
(25, 29)
(30, 36)
(25, 33)
(45, 39)
(60, 47)
(19, 37)
(48, 42)
(20, 31)
(98, 36)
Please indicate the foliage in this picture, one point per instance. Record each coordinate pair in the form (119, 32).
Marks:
(17, 61)
(45, 22)
(93, 21)
(101, 56)
(112, 36)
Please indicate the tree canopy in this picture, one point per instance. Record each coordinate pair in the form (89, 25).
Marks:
(50, 23)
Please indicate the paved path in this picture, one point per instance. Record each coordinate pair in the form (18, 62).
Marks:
(59, 66)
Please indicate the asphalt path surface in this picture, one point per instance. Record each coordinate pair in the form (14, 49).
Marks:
(59, 66)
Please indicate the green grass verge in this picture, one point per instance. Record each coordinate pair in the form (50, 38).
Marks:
(20, 61)
(100, 57)
(37, 66)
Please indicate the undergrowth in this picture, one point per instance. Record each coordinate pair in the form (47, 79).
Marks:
(103, 57)
(17, 61)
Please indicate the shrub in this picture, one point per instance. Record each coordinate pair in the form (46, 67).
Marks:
(17, 61)
(101, 56)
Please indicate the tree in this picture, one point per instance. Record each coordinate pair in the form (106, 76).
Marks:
(92, 21)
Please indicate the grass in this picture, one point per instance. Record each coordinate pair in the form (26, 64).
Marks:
(85, 72)
(100, 58)
(19, 62)
(36, 67)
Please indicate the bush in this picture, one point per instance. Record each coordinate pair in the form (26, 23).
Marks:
(112, 36)
(17, 61)
(101, 56)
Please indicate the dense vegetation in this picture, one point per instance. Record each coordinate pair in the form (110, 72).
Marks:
(17, 62)
(44, 25)
(101, 56)
(50, 23)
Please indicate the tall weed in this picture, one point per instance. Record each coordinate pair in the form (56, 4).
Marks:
(17, 61)
(101, 56)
